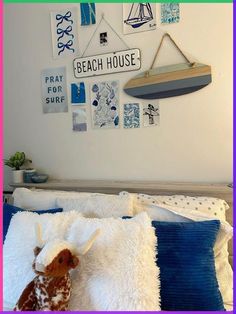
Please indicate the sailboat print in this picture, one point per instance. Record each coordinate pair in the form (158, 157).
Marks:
(140, 13)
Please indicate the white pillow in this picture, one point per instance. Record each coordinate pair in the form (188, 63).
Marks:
(211, 206)
(18, 248)
(38, 199)
(223, 269)
(25, 198)
(156, 212)
(98, 206)
(119, 272)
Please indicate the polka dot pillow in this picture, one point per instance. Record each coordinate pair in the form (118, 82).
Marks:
(212, 206)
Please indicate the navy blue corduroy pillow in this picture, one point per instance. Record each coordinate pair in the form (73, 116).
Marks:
(10, 210)
(187, 267)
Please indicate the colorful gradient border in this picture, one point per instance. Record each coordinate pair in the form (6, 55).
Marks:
(234, 143)
(1, 118)
(115, 1)
(1, 146)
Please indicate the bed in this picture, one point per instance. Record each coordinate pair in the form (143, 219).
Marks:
(143, 188)
(219, 190)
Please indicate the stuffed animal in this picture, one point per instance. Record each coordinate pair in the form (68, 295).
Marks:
(50, 290)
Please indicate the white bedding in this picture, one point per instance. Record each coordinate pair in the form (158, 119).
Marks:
(111, 276)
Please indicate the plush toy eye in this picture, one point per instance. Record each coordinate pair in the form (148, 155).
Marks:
(60, 260)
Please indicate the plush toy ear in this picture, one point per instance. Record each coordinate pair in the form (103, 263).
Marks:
(38, 233)
(37, 250)
(83, 249)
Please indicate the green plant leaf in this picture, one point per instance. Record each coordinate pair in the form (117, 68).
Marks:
(16, 160)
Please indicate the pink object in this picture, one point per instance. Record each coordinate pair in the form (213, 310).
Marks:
(1, 138)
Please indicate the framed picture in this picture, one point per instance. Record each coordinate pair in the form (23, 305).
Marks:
(64, 33)
(139, 17)
(105, 105)
(131, 116)
(151, 114)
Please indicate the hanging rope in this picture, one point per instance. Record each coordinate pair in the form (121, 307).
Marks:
(160, 45)
(114, 31)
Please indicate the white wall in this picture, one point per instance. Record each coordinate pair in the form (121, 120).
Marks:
(194, 140)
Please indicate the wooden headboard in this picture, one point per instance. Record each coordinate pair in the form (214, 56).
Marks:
(221, 190)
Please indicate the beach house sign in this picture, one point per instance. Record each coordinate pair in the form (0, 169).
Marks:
(110, 63)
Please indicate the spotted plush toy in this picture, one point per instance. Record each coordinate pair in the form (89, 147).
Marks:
(50, 290)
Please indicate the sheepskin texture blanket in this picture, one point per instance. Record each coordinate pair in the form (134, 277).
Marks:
(119, 272)
(98, 205)
(18, 248)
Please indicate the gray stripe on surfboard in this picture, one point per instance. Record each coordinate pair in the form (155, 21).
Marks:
(172, 93)
(168, 86)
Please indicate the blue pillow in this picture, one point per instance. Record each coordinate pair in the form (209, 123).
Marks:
(10, 210)
(187, 266)
(185, 257)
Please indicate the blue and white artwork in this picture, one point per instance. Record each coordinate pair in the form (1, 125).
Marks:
(131, 116)
(64, 32)
(78, 95)
(88, 13)
(169, 13)
(139, 17)
(79, 120)
(54, 90)
(105, 105)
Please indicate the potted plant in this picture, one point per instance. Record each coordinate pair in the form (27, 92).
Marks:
(16, 161)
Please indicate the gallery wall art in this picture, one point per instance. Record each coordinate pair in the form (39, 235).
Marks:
(151, 114)
(108, 63)
(64, 32)
(169, 80)
(170, 13)
(131, 115)
(88, 14)
(54, 90)
(103, 96)
(105, 105)
(139, 17)
(78, 93)
(103, 39)
(79, 120)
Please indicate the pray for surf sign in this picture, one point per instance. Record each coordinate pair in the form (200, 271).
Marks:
(110, 63)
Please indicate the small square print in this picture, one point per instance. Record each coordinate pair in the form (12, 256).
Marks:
(103, 39)
(169, 13)
(139, 17)
(79, 119)
(78, 93)
(151, 114)
(88, 14)
(131, 116)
